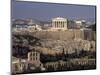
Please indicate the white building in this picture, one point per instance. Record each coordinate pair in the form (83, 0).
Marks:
(34, 60)
(80, 23)
(19, 65)
(59, 23)
(30, 28)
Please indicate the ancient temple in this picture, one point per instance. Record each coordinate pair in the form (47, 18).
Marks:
(59, 23)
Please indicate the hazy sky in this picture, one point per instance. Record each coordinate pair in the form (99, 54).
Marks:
(46, 11)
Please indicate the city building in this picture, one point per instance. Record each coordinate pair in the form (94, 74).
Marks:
(30, 25)
(30, 28)
(47, 25)
(80, 23)
(19, 65)
(34, 60)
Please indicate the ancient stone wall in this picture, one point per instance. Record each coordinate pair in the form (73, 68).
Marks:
(66, 35)
(63, 35)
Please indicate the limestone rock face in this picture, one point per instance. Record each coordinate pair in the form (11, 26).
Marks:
(55, 46)
(68, 46)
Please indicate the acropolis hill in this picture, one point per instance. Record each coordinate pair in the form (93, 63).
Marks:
(55, 41)
(46, 47)
(58, 36)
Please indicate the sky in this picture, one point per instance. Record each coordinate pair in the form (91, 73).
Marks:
(47, 11)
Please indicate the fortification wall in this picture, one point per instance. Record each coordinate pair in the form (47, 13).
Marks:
(56, 35)
(66, 35)
(63, 35)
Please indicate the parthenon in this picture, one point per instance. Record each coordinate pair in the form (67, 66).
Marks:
(59, 23)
